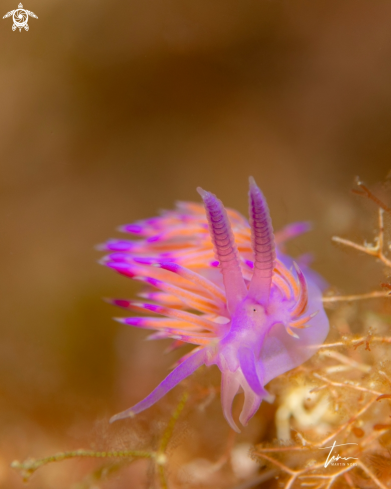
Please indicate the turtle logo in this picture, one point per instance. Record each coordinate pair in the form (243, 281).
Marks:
(20, 17)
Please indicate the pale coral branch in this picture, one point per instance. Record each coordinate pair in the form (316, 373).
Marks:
(356, 297)
(345, 425)
(371, 475)
(161, 458)
(326, 481)
(293, 473)
(332, 477)
(349, 480)
(259, 479)
(380, 239)
(362, 339)
(277, 463)
(367, 193)
(28, 467)
(374, 436)
(226, 455)
(385, 376)
(346, 360)
(310, 484)
(171, 424)
(291, 480)
(280, 449)
(301, 474)
(369, 250)
(352, 386)
(372, 250)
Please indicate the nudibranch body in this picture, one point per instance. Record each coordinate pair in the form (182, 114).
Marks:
(223, 285)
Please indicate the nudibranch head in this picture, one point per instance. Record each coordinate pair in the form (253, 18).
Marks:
(222, 284)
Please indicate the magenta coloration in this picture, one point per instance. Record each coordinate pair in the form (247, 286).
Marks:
(222, 284)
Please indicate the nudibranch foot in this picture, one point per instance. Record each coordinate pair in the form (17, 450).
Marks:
(183, 370)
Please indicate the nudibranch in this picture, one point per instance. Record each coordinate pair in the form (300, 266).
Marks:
(223, 284)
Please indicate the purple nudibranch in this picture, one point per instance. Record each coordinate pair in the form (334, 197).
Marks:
(224, 285)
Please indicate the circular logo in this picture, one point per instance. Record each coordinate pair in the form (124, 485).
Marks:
(20, 18)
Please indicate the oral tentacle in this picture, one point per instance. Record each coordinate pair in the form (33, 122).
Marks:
(262, 243)
(229, 388)
(186, 368)
(250, 406)
(225, 249)
(247, 363)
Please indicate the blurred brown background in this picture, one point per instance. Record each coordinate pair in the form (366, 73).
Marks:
(111, 110)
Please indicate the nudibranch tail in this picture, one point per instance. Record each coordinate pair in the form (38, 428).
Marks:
(225, 249)
(263, 245)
